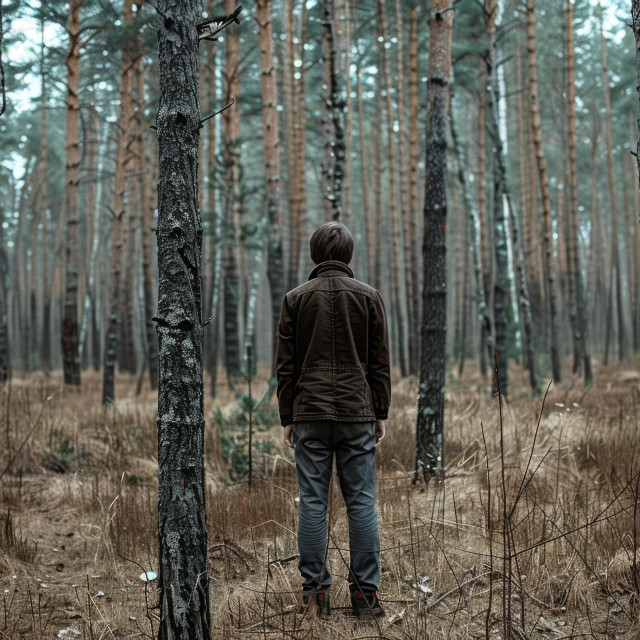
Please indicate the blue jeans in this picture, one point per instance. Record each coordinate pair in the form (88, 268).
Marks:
(353, 443)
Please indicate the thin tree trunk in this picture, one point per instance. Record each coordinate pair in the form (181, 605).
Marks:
(430, 424)
(271, 138)
(70, 328)
(366, 203)
(474, 237)
(118, 215)
(414, 153)
(616, 263)
(334, 144)
(393, 189)
(580, 303)
(42, 321)
(147, 206)
(233, 237)
(544, 188)
(183, 587)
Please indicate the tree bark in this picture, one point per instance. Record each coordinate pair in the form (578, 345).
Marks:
(393, 188)
(544, 188)
(580, 303)
(333, 129)
(430, 423)
(271, 138)
(233, 237)
(70, 327)
(414, 153)
(615, 289)
(183, 587)
(118, 214)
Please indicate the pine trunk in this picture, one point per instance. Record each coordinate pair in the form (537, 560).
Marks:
(271, 138)
(398, 314)
(615, 289)
(118, 213)
(544, 189)
(232, 234)
(183, 587)
(70, 327)
(579, 303)
(430, 423)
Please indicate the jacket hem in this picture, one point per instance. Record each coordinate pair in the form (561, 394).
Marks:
(333, 417)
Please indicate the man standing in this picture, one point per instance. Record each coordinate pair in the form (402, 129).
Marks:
(334, 389)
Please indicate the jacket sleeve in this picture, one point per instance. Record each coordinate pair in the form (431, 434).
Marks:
(379, 371)
(286, 364)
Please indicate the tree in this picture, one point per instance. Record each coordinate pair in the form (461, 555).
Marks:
(579, 303)
(615, 286)
(182, 530)
(635, 19)
(544, 188)
(393, 188)
(332, 127)
(430, 424)
(271, 141)
(118, 213)
(70, 327)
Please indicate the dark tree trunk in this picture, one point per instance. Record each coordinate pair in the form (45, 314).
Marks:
(70, 327)
(580, 302)
(635, 18)
(334, 156)
(182, 531)
(4, 336)
(429, 449)
(474, 241)
(275, 263)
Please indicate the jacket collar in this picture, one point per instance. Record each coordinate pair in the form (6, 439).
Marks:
(331, 268)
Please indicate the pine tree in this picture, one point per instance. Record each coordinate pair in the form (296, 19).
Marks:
(430, 425)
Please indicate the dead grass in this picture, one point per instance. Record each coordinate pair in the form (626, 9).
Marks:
(554, 542)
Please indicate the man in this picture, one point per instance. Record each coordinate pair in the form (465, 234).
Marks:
(334, 390)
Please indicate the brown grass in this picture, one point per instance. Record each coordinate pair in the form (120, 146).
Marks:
(555, 549)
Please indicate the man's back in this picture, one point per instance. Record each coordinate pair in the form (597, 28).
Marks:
(332, 355)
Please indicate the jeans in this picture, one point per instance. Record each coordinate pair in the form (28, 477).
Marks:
(353, 443)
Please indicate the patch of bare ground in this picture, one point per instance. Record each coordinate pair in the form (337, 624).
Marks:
(533, 534)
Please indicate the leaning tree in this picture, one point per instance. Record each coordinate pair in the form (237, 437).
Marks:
(182, 529)
(433, 359)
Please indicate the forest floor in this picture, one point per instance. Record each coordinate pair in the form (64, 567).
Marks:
(548, 552)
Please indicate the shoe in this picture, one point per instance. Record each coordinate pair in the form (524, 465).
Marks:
(366, 603)
(317, 605)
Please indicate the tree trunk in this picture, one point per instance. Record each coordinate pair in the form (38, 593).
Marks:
(42, 316)
(271, 138)
(183, 587)
(580, 303)
(615, 290)
(147, 206)
(70, 328)
(334, 152)
(544, 188)
(474, 237)
(635, 19)
(366, 202)
(232, 234)
(393, 190)
(118, 213)
(414, 154)
(501, 283)
(430, 423)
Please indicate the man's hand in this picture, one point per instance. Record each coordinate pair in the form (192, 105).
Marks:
(287, 435)
(379, 431)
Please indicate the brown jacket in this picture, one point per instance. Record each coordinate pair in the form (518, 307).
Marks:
(332, 359)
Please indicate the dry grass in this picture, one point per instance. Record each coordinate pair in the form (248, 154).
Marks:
(554, 542)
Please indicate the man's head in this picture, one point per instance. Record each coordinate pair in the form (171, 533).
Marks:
(331, 241)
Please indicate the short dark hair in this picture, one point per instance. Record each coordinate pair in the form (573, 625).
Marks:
(331, 241)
